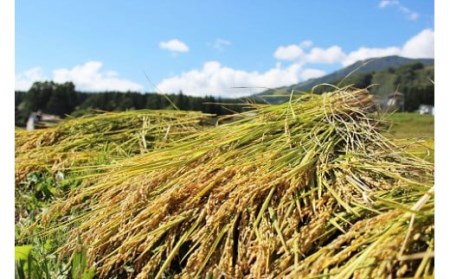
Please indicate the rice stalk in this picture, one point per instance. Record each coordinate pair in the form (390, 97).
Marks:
(110, 135)
(302, 189)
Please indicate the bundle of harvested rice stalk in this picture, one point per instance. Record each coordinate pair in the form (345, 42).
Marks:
(306, 188)
(83, 140)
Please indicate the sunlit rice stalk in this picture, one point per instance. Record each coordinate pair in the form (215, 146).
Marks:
(111, 135)
(306, 188)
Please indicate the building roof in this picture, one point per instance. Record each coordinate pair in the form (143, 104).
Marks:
(396, 94)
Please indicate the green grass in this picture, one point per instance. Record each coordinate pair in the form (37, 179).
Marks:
(406, 126)
(411, 125)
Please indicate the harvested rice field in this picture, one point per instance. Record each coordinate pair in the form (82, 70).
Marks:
(323, 186)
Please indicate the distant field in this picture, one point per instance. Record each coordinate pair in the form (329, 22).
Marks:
(414, 125)
(411, 125)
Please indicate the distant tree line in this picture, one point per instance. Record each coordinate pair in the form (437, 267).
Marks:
(417, 83)
(414, 80)
(63, 99)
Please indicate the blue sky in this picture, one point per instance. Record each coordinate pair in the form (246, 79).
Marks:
(209, 47)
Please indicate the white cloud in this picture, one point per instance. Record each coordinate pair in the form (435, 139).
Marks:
(300, 53)
(89, 77)
(27, 78)
(331, 55)
(365, 53)
(174, 45)
(412, 15)
(215, 79)
(290, 52)
(420, 46)
(311, 73)
(220, 44)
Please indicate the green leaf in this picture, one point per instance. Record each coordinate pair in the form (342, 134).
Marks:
(22, 252)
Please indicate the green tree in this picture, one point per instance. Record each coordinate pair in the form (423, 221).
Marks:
(63, 99)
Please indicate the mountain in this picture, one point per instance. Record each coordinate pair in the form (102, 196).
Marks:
(361, 67)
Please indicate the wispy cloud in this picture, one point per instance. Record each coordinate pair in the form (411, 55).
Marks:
(410, 14)
(220, 44)
(174, 45)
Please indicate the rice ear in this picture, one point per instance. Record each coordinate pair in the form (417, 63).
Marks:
(302, 189)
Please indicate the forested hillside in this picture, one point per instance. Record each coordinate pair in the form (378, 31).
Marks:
(414, 80)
